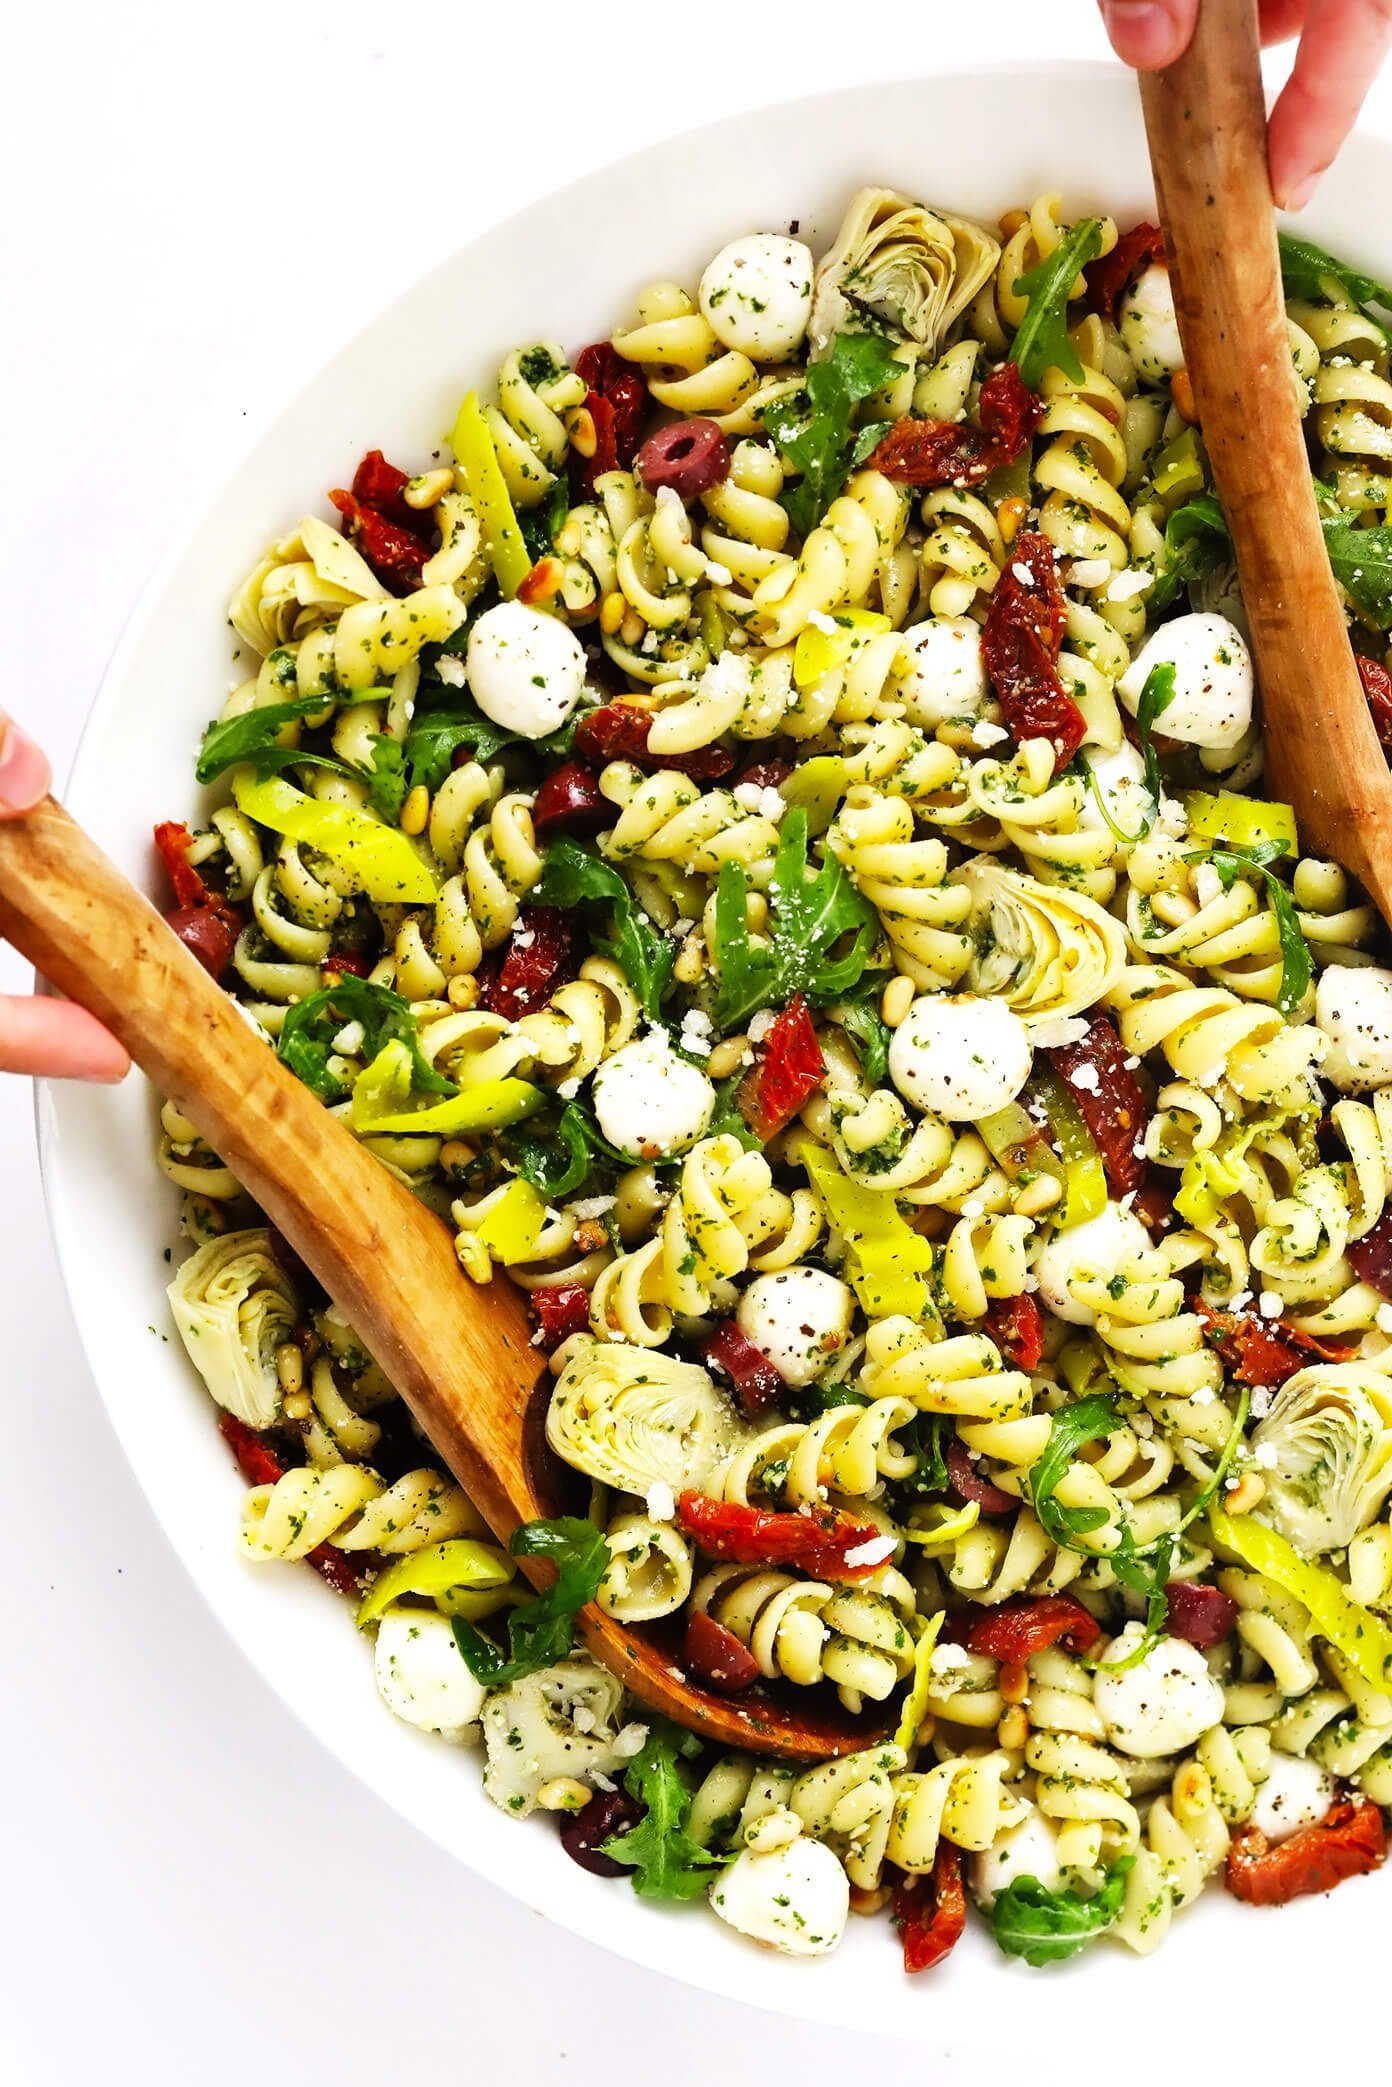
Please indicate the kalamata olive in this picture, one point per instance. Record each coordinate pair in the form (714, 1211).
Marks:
(206, 935)
(1202, 1616)
(691, 456)
(764, 775)
(969, 1483)
(570, 798)
(608, 1812)
(716, 1655)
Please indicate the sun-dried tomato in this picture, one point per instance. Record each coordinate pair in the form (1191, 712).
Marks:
(1025, 1624)
(617, 404)
(787, 1075)
(1020, 647)
(1109, 1100)
(619, 732)
(538, 957)
(765, 775)
(954, 453)
(931, 1912)
(1377, 687)
(570, 798)
(1109, 279)
(381, 485)
(716, 1656)
(818, 1542)
(559, 1309)
(1371, 1256)
(1154, 1204)
(1348, 1842)
(1202, 1616)
(756, 1381)
(347, 962)
(260, 1466)
(173, 841)
(1263, 1351)
(208, 935)
(1016, 1325)
(396, 555)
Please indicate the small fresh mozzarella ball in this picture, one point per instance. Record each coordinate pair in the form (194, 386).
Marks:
(420, 1674)
(1027, 1850)
(1148, 327)
(945, 677)
(651, 1103)
(526, 670)
(1213, 680)
(1099, 1248)
(757, 295)
(1353, 1006)
(960, 1056)
(795, 1898)
(800, 1318)
(1163, 1704)
(1297, 1793)
(1120, 780)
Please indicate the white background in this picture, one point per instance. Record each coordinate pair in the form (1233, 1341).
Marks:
(201, 202)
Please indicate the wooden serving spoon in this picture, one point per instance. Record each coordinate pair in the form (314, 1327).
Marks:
(460, 1356)
(1206, 124)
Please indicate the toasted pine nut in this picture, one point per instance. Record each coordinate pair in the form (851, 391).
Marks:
(474, 1257)
(1014, 1682)
(896, 1000)
(298, 1406)
(456, 1154)
(690, 966)
(463, 992)
(289, 1367)
(428, 487)
(543, 582)
(416, 810)
(1009, 516)
(1037, 1196)
(583, 439)
(612, 611)
(632, 629)
(777, 1829)
(1182, 392)
(1011, 223)
(1013, 1729)
(1245, 1495)
(863, 1901)
(563, 1794)
(728, 1057)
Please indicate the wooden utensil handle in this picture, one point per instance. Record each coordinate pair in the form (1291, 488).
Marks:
(381, 1256)
(1206, 120)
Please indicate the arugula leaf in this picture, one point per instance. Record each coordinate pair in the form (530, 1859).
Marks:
(542, 1630)
(1045, 1927)
(558, 1156)
(809, 914)
(859, 1015)
(1156, 698)
(666, 1862)
(726, 1120)
(815, 1399)
(1306, 270)
(1362, 562)
(924, 1437)
(572, 875)
(1089, 775)
(1042, 341)
(541, 525)
(251, 736)
(435, 737)
(1297, 965)
(1088, 1420)
(812, 427)
(1196, 538)
(386, 790)
(306, 1039)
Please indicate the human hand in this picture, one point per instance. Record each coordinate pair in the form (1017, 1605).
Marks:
(52, 1039)
(1342, 45)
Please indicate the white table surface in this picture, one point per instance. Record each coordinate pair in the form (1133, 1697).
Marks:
(202, 201)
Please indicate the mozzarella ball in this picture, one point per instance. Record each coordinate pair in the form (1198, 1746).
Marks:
(1213, 680)
(960, 1056)
(1029, 1849)
(1148, 327)
(945, 677)
(1100, 1248)
(421, 1674)
(1163, 1704)
(795, 1898)
(757, 295)
(525, 670)
(1353, 1006)
(1120, 780)
(1297, 1793)
(800, 1318)
(649, 1102)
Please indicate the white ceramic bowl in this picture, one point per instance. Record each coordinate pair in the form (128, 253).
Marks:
(979, 141)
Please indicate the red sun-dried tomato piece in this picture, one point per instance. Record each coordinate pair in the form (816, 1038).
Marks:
(1263, 1351)
(1025, 1624)
(818, 1542)
(1348, 1842)
(1109, 1100)
(1377, 687)
(1016, 1325)
(538, 957)
(605, 456)
(347, 962)
(571, 799)
(765, 775)
(716, 1656)
(787, 1075)
(173, 841)
(1109, 279)
(1020, 647)
(968, 1483)
(757, 1383)
(931, 1912)
(1154, 1204)
(381, 485)
(1371, 1256)
(396, 555)
(559, 1309)
(622, 388)
(1202, 1616)
(619, 732)
(260, 1466)
(954, 453)
(208, 935)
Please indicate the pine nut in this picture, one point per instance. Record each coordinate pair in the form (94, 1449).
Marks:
(728, 1057)
(543, 582)
(1182, 392)
(1013, 1729)
(583, 439)
(1009, 516)
(690, 967)
(428, 488)
(896, 1000)
(298, 1406)
(463, 992)
(289, 1365)
(777, 1829)
(416, 810)
(612, 611)
(863, 1901)
(456, 1155)
(633, 628)
(1011, 223)
(563, 1794)
(1037, 1196)
(1014, 1682)
(1245, 1495)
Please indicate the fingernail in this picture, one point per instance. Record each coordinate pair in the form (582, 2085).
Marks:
(24, 771)
(1298, 194)
(1145, 33)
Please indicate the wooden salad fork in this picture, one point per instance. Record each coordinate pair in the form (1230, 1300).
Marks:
(1206, 124)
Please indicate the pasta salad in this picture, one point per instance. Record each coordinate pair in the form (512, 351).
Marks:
(765, 836)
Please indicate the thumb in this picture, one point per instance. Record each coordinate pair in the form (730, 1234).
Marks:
(1149, 33)
(24, 771)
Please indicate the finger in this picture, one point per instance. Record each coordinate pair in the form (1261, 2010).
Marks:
(24, 771)
(1282, 19)
(1341, 48)
(53, 1039)
(1149, 33)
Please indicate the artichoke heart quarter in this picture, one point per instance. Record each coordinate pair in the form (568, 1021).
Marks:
(633, 1418)
(1324, 1453)
(1044, 950)
(234, 1306)
(911, 269)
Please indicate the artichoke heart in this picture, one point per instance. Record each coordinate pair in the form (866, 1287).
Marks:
(562, 1720)
(1044, 950)
(1324, 1452)
(234, 1306)
(911, 269)
(634, 1417)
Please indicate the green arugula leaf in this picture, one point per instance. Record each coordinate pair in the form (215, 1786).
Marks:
(571, 876)
(1088, 1420)
(541, 1630)
(231, 741)
(558, 1155)
(435, 737)
(1089, 775)
(815, 1399)
(666, 1862)
(1196, 540)
(1297, 965)
(809, 913)
(812, 427)
(1045, 1927)
(1156, 698)
(1307, 270)
(924, 1437)
(306, 1039)
(859, 1015)
(726, 1119)
(540, 525)
(1362, 563)
(1042, 341)
(386, 790)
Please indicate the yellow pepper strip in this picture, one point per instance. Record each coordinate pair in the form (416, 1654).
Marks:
(1179, 471)
(916, 1701)
(950, 1523)
(378, 857)
(1085, 1178)
(817, 787)
(433, 1571)
(487, 488)
(514, 1224)
(381, 1101)
(820, 652)
(1244, 822)
(1362, 1637)
(889, 1264)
